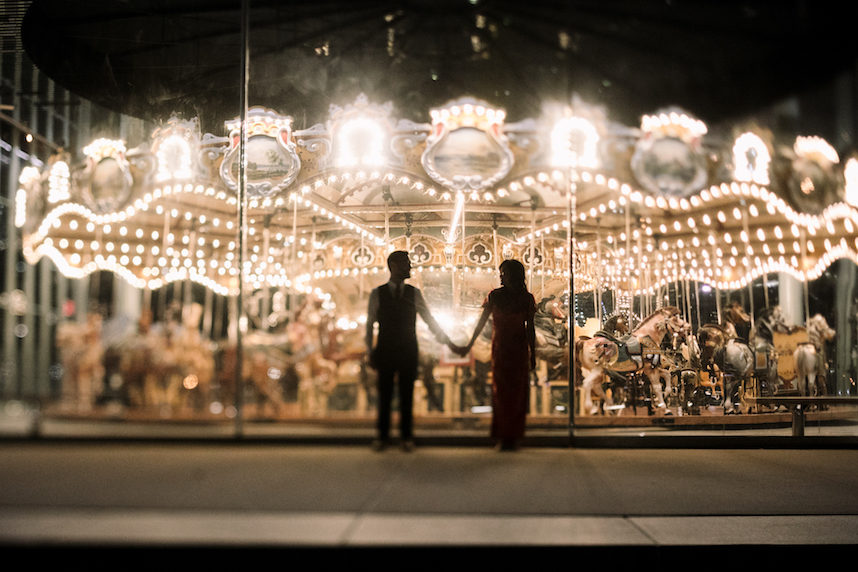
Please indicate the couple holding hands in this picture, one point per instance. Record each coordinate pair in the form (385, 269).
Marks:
(395, 306)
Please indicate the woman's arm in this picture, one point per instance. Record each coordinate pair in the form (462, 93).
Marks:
(531, 342)
(481, 323)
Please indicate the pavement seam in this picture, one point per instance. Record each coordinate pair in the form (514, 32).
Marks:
(629, 519)
(373, 500)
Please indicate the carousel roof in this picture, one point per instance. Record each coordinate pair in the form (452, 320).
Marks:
(724, 60)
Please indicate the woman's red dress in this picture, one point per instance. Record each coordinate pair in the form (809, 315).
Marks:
(510, 361)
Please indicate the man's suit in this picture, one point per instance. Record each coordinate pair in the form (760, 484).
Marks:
(395, 306)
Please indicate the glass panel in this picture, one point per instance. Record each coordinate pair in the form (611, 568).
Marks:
(189, 254)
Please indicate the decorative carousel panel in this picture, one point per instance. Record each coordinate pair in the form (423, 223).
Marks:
(421, 253)
(811, 181)
(408, 142)
(362, 256)
(669, 159)
(351, 250)
(479, 254)
(105, 182)
(272, 160)
(533, 256)
(313, 146)
(467, 150)
(424, 250)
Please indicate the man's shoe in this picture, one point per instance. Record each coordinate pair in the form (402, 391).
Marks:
(408, 445)
(507, 445)
(379, 445)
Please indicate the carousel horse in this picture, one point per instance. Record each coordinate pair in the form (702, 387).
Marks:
(142, 363)
(730, 360)
(81, 354)
(290, 370)
(426, 364)
(693, 390)
(312, 346)
(810, 359)
(672, 360)
(736, 320)
(769, 321)
(617, 325)
(267, 367)
(550, 323)
(593, 357)
(639, 351)
(195, 360)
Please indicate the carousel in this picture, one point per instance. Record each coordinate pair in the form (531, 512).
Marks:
(650, 250)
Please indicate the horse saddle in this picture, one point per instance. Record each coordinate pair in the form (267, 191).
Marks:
(638, 351)
(629, 352)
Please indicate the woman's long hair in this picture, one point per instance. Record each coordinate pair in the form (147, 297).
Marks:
(515, 275)
(513, 295)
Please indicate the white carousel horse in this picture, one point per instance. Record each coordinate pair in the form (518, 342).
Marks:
(593, 356)
(634, 352)
(810, 357)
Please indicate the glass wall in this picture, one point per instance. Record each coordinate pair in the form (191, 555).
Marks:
(207, 271)
(121, 248)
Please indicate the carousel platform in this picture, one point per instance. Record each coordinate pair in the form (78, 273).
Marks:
(17, 420)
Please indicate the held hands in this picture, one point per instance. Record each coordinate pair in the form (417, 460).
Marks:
(459, 350)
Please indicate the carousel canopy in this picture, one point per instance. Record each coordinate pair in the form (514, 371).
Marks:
(641, 206)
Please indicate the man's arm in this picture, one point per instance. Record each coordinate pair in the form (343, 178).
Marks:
(531, 334)
(423, 310)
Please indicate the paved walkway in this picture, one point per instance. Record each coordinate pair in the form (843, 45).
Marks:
(70, 494)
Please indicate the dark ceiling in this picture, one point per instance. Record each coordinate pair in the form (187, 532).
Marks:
(719, 59)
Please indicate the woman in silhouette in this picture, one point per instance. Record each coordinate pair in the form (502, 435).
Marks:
(511, 308)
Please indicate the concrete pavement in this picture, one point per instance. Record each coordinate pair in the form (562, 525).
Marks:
(71, 494)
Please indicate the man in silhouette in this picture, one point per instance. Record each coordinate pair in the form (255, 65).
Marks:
(395, 306)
